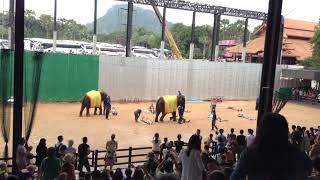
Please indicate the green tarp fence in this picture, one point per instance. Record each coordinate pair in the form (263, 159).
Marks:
(64, 77)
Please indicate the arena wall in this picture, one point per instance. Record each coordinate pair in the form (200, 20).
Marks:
(64, 77)
(136, 79)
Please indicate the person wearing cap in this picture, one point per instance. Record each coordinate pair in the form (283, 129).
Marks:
(68, 166)
(111, 148)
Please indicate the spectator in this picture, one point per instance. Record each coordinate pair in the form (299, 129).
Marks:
(285, 163)
(128, 173)
(163, 146)
(295, 137)
(156, 145)
(179, 144)
(210, 142)
(83, 152)
(28, 173)
(50, 166)
(198, 134)
(231, 137)
(168, 177)
(62, 176)
(227, 172)
(224, 139)
(315, 150)
(70, 148)
(167, 166)
(216, 175)
(306, 141)
(220, 145)
(117, 175)
(3, 170)
(41, 151)
(58, 145)
(111, 155)
(316, 166)
(241, 142)
(68, 166)
(212, 165)
(249, 137)
(192, 166)
(138, 174)
(169, 151)
(62, 152)
(221, 156)
(21, 157)
(29, 154)
(151, 165)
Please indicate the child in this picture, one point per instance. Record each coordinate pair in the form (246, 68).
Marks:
(137, 114)
(3, 170)
(29, 155)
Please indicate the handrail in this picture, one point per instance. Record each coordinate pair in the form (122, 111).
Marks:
(94, 157)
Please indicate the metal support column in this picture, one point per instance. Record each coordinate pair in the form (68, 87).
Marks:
(215, 38)
(245, 39)
(94, 38)
(163, 32)
(55, 27)
(192, 35)
(129, 28)
(18, 80)
(11, 24)
(281, 42)
(270, 57)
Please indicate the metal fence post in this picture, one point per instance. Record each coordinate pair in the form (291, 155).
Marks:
(96, 160)
(130, 154)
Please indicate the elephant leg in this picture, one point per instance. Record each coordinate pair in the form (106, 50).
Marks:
(87, 104)
(100, 109)
(174, 116)
(87, 111)
(157, 115)
(81, 109)
(162, 116)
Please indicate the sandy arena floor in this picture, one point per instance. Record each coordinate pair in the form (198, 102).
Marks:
(54, 119)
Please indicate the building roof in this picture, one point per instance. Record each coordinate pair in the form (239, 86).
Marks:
(296, 40)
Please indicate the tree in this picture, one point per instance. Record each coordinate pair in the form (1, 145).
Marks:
(314, 61)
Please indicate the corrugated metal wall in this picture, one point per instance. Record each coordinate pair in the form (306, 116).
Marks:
(145, 79)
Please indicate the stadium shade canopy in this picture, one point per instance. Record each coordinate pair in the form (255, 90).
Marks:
(302, 74)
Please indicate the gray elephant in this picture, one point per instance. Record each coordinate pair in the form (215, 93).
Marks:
(92, 99)
(169, 104)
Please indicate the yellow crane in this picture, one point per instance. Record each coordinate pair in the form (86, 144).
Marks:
(172, 43)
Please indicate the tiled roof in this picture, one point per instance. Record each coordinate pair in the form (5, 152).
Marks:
(296, 40)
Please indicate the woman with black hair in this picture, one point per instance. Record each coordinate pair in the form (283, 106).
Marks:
(41, 152)
(192, 165)
(271, 156)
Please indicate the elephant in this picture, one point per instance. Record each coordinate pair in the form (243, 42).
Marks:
(169, 104)
(93, 99)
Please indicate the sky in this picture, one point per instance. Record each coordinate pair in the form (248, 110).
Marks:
(82, 10)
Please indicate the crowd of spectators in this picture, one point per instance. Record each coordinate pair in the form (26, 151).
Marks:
(300, 94)
(273, 152)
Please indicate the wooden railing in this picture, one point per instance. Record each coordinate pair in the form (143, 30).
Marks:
(128, 157)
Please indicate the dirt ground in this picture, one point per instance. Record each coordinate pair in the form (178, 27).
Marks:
(55, 119)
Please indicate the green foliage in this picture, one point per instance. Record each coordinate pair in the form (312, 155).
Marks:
(314, 61)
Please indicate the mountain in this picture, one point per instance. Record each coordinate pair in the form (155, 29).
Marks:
(115, 19)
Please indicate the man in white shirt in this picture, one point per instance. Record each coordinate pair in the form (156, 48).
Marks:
(250, 137)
